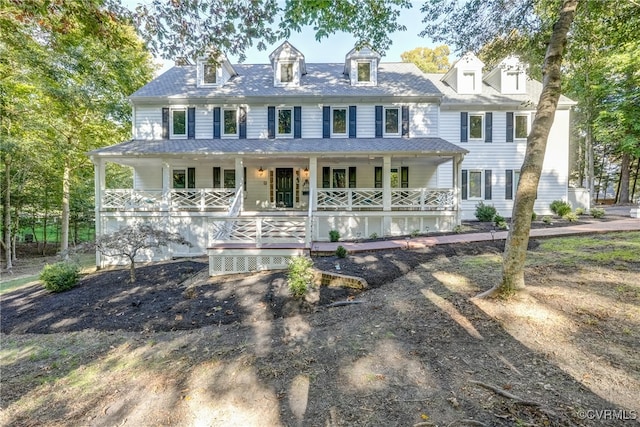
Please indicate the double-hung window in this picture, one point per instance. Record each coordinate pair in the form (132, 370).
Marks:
(179, 123)
(364, 72)
(521, 126)
(230, 122)
(285, 122)
(209, 74)
(476, 184)
(184, 178)
(286, 72)
(392, 121)
(339, 121)
(476, 126)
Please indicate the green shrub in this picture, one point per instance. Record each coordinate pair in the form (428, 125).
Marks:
(485, 213)
(373, 235)
(579, 211)
(547, 219)
(597, 213)
(458, 229)
(498, 218)
(560, 207)
(60, 276)
(415, 233)
(534, 216)
(299, 276)
(334, 235)
(571, 217)
(341, 252)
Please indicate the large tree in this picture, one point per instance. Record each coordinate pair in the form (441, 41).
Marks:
(429, 60)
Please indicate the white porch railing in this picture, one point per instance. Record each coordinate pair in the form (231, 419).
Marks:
(422, 198)
(259, 230)
(129, 199)
(203, 198)
(349, 198)
(224, 232)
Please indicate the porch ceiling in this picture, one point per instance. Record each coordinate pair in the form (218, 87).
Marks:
(319, 147)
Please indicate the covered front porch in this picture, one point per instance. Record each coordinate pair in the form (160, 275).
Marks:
(262, 198)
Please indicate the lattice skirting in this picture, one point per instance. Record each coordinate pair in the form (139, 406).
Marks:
(230, 261)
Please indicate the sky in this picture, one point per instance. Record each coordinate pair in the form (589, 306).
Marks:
(335, 47)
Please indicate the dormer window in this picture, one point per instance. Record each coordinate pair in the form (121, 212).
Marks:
(364, 72)
(512, 80)
(209, 74)
(286, 72)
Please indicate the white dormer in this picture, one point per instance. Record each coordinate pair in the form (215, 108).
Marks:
(465, 75)
(509, 77)
(288, 65)
(362, 66)
(214, 73)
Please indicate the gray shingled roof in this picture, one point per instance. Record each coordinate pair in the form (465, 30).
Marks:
(259, 147)
(394, 79)
(490, 96)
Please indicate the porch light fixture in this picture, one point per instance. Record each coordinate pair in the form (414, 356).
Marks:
(260, 171)
(305, 172)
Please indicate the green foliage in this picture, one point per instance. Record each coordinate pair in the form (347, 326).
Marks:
(547, 220)
(485, 213)
(60, 276)
(570, 216)
(415, 233)
(299, 276)
(334, 235)
(458, 229)
(560, 207)
(373, 235)
(434, 60)
(341, 252)
(534, 216)
(500, 222)
(597, 213)
(579, 211)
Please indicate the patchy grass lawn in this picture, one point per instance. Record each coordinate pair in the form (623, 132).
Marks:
(419, 350)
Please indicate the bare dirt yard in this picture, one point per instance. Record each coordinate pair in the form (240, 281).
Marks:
(180, 348)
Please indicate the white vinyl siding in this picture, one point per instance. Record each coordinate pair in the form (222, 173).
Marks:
(257, 122)
(147, 178)
(148, 123)
(311, 121)
(204, 122)
(423, 120)
(366, 121)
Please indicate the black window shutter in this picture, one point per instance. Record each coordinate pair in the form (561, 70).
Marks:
(509, 127)
(191, 177)
(508, 194)
(465, 185)
(352, 121)
(271, 122)
(242, 123)
(326, 122)
(165, 123)
(404, 177)
(297, 122)
(488, 127)
(326, 177)
(464, 123)
(405, 120)
(244, 179)
(216, 177)
(377, 174)
(378, 121)
(216, 122)
(191, 123)
(352, 177)
(487, 184)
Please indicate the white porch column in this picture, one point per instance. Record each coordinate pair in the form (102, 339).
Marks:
(166, 185)
(240, 180)
(313, 199)
(99, 183)
(386, 194)
(457, 194)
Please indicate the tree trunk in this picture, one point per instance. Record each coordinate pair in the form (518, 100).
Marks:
(7, 213)
(635, 181)
(132, 270)
(64, 226)
(623, 185)
(518, 238)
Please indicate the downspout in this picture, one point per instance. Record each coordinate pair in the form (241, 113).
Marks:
(457, 195)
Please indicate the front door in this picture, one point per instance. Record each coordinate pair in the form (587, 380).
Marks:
(284, 187)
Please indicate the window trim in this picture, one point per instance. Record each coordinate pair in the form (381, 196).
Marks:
(218, 73)
(293, 72)
(470, 172)
(370, 64)
(189, 174)
(277, 122)
(346, 121)
(171, 123)
(482, 125)
(398, 122)
(224, 121)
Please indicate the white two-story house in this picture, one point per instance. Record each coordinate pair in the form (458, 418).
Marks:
(244, 159)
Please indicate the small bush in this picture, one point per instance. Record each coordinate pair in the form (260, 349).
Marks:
(534, 216)
(497, 219)
(299, 276)
(547, 220)
(560, 207)
(334, 235)
(597, 213)
(485, 213)
(458, 229)
(580, 211)
(415, 233)
(571, 217)
(341, 252)
(373, 236)
(60, 276)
